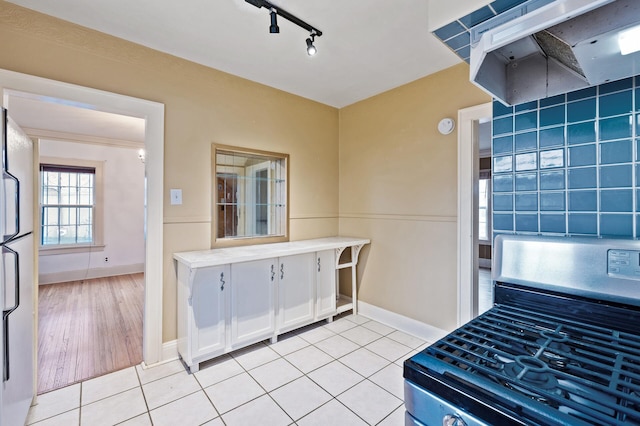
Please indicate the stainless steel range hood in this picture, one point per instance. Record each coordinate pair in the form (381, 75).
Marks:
(544, 47)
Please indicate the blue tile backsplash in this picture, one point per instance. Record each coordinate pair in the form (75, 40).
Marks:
(570, 164)
(457, 34)
(564, 165)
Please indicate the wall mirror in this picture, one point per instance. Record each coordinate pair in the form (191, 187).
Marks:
(250, 194)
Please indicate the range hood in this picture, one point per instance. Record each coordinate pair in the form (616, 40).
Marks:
(545, 47)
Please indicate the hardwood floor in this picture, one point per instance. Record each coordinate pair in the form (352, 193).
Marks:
(88, 328)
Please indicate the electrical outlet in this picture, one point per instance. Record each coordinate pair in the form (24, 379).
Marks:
(106, 260)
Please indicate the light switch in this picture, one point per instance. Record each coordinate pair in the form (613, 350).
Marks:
(176, 196)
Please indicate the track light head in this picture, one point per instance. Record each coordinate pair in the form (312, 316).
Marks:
(274, 11)
(311, 49)
(274, 28)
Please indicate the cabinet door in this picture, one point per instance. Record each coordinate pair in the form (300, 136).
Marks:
(296, 291)
(205, 303)
(325, 284)
(252, 301)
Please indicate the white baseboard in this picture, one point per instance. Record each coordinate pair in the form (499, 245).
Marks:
(407, 325)
(85, 274)
(170, 351)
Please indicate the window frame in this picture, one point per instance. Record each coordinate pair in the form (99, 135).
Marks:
(486, 175)
(98, 207)
(217, 242)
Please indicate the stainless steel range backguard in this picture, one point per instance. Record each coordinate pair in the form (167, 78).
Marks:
(596, 268)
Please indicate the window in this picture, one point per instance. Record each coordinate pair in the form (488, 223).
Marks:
(70, 207)
(484, 206)
(250, 197)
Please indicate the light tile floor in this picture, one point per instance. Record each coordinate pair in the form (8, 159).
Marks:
(348, 372)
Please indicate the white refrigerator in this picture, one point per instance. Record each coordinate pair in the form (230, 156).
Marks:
(16, 274)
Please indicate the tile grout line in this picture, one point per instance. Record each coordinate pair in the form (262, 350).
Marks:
(360, 346)
(283, 357)
(144, 397)
(309, 344)
(219, 415)
(80, 406)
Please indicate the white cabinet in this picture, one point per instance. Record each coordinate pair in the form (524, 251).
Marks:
(201, 312)
(296, 284)
(325, 284)
(252, 301)
(231, 298)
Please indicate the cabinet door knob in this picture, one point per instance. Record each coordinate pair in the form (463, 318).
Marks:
(281, 270)
(318, 264)
(273, 274)
(222, 282)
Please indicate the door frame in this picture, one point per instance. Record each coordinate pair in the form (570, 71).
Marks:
(153, 113)
(250, 194)
(467, 229)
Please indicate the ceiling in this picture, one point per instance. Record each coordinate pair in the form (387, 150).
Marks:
(367, 46)
(47, 117)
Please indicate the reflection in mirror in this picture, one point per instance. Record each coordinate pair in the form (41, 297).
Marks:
(250, 194)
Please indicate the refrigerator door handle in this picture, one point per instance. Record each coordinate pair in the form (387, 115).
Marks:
(7, 312)
(5, 175)
(5, 366)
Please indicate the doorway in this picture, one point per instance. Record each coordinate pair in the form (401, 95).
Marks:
(91, 246)
(485, 243)
(153, 114)
(469, 120)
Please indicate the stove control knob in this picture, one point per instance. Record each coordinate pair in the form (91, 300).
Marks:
(452, 420)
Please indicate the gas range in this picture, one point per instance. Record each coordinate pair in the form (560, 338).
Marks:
(561, 346)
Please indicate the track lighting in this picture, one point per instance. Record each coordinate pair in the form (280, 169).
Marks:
(274, 11)
(311, 49)
(274, 28)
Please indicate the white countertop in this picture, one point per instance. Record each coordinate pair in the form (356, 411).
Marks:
(223, 256)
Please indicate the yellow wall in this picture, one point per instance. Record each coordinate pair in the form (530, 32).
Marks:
(395, 174)
(398, 186)
(201, 106)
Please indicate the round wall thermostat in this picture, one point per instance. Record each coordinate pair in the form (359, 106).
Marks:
(446, 126)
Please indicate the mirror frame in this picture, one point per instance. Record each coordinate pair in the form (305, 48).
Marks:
(217, 242)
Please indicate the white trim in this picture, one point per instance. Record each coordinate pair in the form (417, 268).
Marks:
(15, 83)
(85, 139)
(407, 325)
(484, 263)
(87, 274)
(168, 355)
(69, 249)
(484, 153)
(170, 351)
(467, 210)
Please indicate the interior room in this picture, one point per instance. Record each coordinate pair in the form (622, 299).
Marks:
(87, 328)
(301, 213)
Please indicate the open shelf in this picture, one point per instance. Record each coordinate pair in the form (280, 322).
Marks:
(343, 304)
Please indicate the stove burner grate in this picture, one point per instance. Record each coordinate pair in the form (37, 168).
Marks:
(566, 369)
(531, 370)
